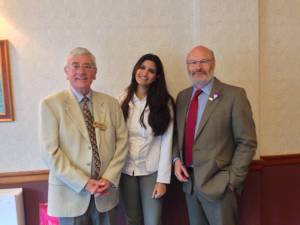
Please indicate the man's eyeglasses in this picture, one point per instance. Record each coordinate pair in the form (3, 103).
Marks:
(85, 66)
(201, 62)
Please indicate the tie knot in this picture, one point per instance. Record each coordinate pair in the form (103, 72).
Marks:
(197, 93)
(85, 99)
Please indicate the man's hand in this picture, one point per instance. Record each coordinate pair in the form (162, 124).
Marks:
(180, 171)
(98, 187)
(159, 190)
(91, 186)
(103, 186)
(231, 187)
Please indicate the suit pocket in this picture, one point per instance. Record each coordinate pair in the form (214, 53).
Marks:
(222, 164)
(54, 180)
(108, 138)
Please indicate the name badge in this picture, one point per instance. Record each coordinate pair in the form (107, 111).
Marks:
(101, 126)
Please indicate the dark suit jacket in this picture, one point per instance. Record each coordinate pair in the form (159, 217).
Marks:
(225, 141)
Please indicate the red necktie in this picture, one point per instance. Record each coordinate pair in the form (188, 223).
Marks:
(189, 130)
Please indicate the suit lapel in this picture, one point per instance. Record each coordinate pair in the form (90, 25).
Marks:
(182, 113)
(99, 115)
(214, 98)
(74, 112)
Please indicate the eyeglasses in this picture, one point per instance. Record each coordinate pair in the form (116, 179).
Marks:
(85, 66)
(201, 62)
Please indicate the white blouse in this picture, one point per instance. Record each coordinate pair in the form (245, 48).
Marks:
(147, 153)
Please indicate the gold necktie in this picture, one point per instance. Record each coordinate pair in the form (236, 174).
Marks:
(89, 120)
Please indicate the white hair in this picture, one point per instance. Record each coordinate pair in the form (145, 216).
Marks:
(81, 51)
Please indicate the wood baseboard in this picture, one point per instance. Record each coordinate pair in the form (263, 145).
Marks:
(274, 160)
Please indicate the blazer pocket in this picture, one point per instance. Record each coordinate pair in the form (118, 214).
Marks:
(222, 164)
(108, 134)
(54, 180)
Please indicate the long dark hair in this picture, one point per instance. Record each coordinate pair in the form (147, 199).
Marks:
(158, 97)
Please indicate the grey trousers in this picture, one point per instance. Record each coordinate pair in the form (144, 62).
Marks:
(91, 217)
(140, 207)
(205, 212)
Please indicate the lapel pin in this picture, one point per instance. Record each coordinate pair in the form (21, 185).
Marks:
(214, 96)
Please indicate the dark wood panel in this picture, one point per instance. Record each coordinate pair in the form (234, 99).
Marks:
(274, 160)
(33, 194)
(250, 204)
(281, 194)
(271, 194)
(174, 208)
(35, 186)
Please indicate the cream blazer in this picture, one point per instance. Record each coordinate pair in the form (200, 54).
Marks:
(66, 149)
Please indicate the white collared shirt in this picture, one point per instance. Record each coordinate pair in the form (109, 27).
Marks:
(147, 153)
(202, 101)
(79, 98)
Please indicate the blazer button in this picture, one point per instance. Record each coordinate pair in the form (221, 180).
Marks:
(90, 147)
(88, 164)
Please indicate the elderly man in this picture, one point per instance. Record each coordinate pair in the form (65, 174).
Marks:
(216, 142)
(84, 143)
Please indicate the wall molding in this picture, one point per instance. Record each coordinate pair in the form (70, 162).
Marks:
(23, 177)
(274, 160)
(42, 175)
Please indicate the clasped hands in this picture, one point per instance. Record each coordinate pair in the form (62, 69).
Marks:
(98, 187)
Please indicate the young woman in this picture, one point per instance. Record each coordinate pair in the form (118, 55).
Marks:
(148, 110)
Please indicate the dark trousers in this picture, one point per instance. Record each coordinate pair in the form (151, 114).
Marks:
(203, 211)
(91, 217)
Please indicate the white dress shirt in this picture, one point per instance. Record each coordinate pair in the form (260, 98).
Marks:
(79, 98)
(147, 153)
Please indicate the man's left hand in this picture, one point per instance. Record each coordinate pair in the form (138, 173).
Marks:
(103, 186)
(231, 187)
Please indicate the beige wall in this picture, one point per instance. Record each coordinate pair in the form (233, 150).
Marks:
(255, 44)
(280, 76)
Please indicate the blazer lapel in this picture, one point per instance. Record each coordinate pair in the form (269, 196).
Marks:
(99, 116)
(182, 113)
(214, 99)
(74, 112)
